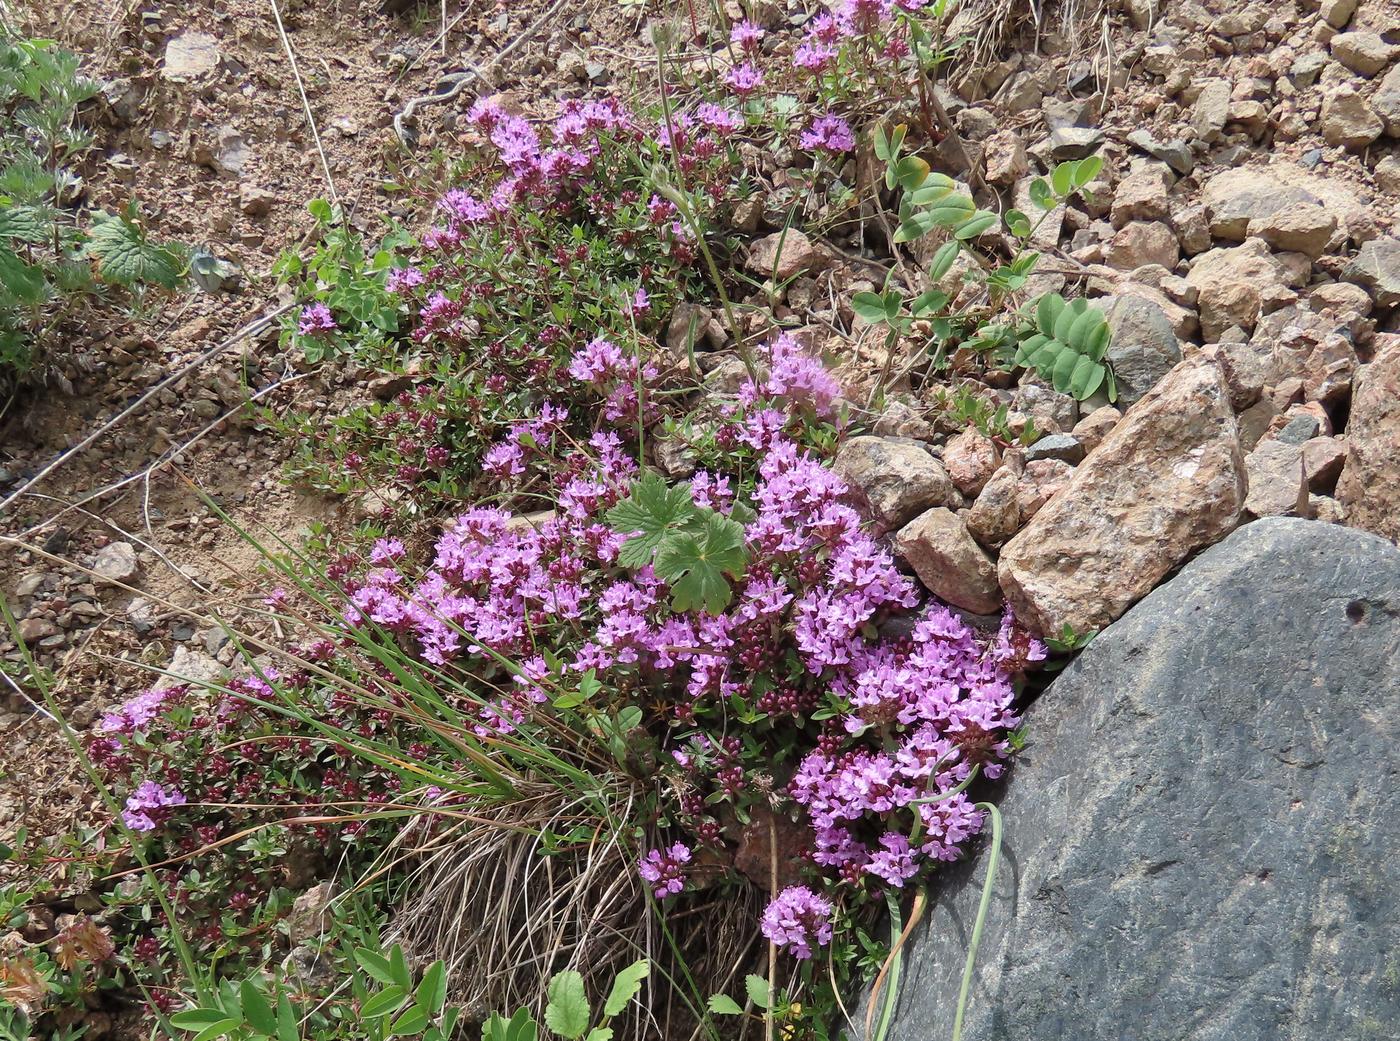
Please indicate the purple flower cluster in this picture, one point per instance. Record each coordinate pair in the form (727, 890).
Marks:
(664, 871)
(797, 920)
(136, 713)
(829, 134)
(145, 805)
(316, 319)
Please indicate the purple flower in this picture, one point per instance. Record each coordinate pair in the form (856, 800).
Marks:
(744, 79)
(136, 713)
(829, 133)
(385, 552)
(814, 57)
(662, 869)
(316, 319)
(746, 35)
(149, 796)
(797, 920)
(723, 121)
(402, 279)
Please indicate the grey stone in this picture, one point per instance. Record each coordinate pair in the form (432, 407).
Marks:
(1175, 154)
(1211, 110)
(189, 56)
(1201, 840)
(1377, 267)
(1064, 447)
(1074, 143)
(116, 562)
(1143, 349)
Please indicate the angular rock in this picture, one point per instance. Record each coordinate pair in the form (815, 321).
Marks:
(1143, 349)
(791, 252)
(1167, 481)
(1337, 13)
(189, 56)
(1236, 197)
(970, 459)
(1323, 459)
(1385, 102)
(1042, 480)
(1303, 228)
(1051, 411)
(1363, 52)
(1141, 196)
(310, 915)
(898, 478)
(116, 562)
(1235, 285)
(1278, 486)
(1072, 142)
(1175, 154)
(1212, 109)
(1329, 369)
(1369, 487)
(1093, 428)
(1064, 447)
(949, 562)
(1348, 121)
(1133, 899)
(1140, 243)
(996, 515)
(255, 201)
(1377, 267)
(1005, 158)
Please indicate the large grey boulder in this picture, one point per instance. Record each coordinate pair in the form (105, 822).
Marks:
(1203, 837)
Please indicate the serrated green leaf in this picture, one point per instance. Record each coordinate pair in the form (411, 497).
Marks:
(649, 512)
(724, 1005)
(24, 224)
(257, 1010)
(625, 986)
(20, 283)
(567, 1012)
(756, 987)
(694, 563)
(126, 257)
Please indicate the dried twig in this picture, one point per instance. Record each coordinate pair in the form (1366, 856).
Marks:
(305, 101)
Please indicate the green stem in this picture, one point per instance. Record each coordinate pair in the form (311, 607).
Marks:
(983, 904)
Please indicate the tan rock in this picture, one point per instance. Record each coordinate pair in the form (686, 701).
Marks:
(1042, 481)
(1167, 481)
(970, 459)
(1142, 242)
(1304, 228)
(1347, 119)
(1277, 484)
(996, 515)
(1093, 428)
(1363, 52)
(783, 255)
(1323, 459)
(1329, 369)
(1248, 370)
(1235, 285)
(1369, 487)
(899, 479)
(1337, 13)
(949, 562)
(1005, 158)
(1141, 196)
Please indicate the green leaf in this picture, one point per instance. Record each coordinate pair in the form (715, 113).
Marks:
(432, 989)
(1064, 368)
(198, 1018)
(724, 1005)
(1086, 170)
(648, 513)
(567, 1012)
(943, 260)
(411, 1022)
(398, 967)
(870, 307)
(1030, 347)
(694, 564)
(1097, 345)
(882, 143)
(625, 986)
(1047, 312)
(1062, 179)
(600, 1034)
(950, 212)
(756, 987)
(933, 300)
(910, 172)
(321, 210)
(374, 963)
(19, 282)
(219, 1029)
(388, 1000)
(257, 1010)
(980, 222)
(25, 223)
(1017, 223)
(1041, 195)
(936, 187)
(286, 1019)
(126, 257)
(1086, 378)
